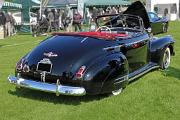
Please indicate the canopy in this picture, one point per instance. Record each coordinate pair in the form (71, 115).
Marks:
(57, 3)
(36, 1)
(106, 2)
(12, 5)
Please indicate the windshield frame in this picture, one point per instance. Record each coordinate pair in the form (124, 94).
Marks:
(139, 20)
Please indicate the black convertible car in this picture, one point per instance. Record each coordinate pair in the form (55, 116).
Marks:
(99, 62)
(158, 24)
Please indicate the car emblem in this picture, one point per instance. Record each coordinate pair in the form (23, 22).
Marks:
(50, 54)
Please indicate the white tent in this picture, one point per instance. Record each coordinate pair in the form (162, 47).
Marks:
(1, 3)
(162, 6)
(12, 5)
(36, 1)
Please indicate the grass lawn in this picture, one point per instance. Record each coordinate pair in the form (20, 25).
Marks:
(155, 96)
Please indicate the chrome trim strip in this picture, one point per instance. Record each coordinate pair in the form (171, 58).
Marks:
(112, 47)
(144, 72)
(53, 88)
(123, 79)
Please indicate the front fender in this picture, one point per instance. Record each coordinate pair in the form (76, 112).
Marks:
(157, 45)
(105, 70)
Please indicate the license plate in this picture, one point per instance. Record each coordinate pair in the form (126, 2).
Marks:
(44, 65)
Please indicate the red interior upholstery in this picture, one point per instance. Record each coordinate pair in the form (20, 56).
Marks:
(109, 36)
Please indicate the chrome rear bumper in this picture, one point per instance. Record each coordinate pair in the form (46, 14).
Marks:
(53, 88)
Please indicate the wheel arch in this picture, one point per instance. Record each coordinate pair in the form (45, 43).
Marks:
(171, 47)
(158, 44)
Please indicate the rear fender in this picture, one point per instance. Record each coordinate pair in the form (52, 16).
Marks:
(105, 70)
(157, 45)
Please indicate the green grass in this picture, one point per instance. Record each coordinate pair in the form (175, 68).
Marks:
(155, 96)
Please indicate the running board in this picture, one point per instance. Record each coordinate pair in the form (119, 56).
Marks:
(142, 71)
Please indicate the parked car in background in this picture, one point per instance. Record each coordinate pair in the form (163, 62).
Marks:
(99, 62)
(158, 24)
(18, 17)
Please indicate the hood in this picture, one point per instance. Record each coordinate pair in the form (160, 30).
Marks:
(138, 9)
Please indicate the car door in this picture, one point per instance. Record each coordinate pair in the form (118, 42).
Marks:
(156, 23)
(136, 51)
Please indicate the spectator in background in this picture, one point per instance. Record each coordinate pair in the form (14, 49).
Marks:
(77, 18)
(63, 19)
(114, 11)
(89, 16)
(38, 15)
(56, 20)
(108, 10)
(34, 28)
(2, 18)
(3, 21)
(60, 19)
(120, 9)
(51, 20)
(12, 22)
(67, 17)
(94, 13)
(42, 25)
(69, 20)
(8, 24)
(101, 11)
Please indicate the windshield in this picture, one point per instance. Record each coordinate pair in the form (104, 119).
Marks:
(121, 21)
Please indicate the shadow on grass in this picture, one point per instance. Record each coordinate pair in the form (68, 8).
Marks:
(172, 72)
(50, 97)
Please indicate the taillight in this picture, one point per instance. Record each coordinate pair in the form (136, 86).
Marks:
(19, 65)
(80, 72)
(26, 68)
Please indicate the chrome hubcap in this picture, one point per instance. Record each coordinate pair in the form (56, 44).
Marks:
(167, 58)
(117, 92)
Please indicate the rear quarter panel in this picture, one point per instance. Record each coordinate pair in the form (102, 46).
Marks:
(101, 75)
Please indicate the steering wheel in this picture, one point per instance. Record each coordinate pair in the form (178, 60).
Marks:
(104, 28)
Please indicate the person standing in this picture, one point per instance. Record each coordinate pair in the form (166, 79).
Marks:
(56, 20)
(63, 19)
(60, 19)
(114, 11)
(3, 21)
(69, 20)
(88, 16)
(8, 24)
(12, 23)
(94, 13)
(51, 20)
(77, 18)
(67, 16)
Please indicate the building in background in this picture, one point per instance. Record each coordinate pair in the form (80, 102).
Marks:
(168, 8)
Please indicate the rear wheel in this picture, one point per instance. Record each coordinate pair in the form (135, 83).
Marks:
(165, 58)
(117, 92)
